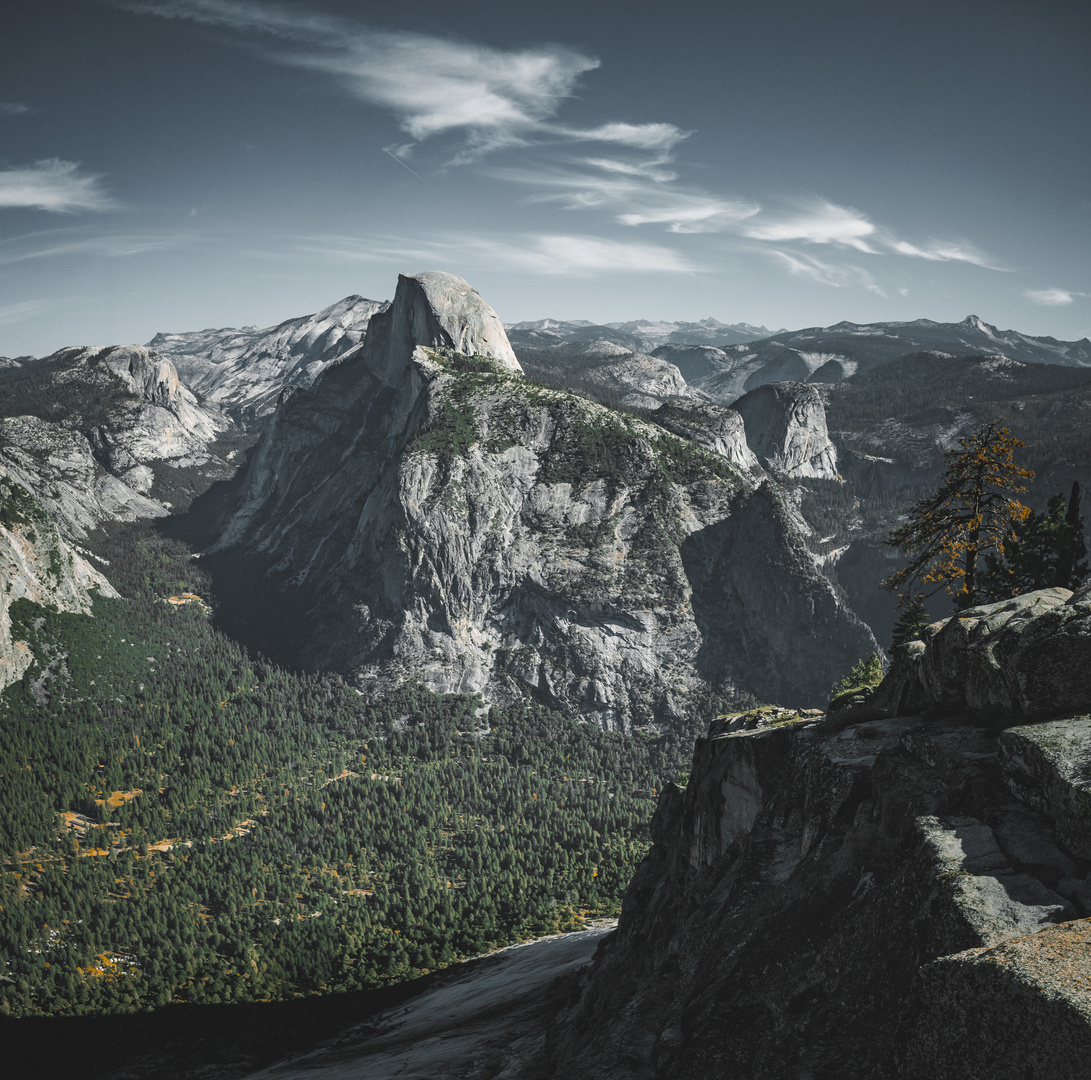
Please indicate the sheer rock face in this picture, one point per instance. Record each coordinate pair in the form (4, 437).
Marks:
(786, 428)
(861, 894)
(714, 427)
(38, 565)
(817, 901)
(432, 516)
(165, 423)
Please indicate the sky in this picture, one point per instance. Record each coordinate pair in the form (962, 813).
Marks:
(170, 165)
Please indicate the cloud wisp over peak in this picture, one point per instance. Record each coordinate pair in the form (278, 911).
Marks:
(474, 101)
(552, 254)
(54, 185)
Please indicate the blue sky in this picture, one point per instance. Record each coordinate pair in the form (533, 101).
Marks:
(177, 164)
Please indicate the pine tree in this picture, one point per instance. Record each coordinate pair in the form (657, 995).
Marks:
(972, 515)
(913, 617)
(1048, 550)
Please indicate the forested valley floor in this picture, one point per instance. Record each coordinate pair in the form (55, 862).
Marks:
(183, 821)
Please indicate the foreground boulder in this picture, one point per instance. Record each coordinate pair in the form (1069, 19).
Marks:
(1024, 658)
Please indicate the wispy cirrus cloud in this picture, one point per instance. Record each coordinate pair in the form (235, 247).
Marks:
(816, 222)
(75, 242)
(939, 251)
(633, 194)
(54, 185)
(493, 97)
(825, 272)
(1053, 297)
(484, 100)
(14, 108)
(25, 309)
(574, 255)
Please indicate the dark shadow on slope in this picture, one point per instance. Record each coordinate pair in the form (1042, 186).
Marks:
(768, 619)
(187, 1042)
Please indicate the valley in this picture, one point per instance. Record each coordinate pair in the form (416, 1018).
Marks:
(336, 653)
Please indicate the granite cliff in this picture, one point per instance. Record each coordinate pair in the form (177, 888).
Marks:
(785, 426)
(246, 369)
(107, 434)
(424, 511)
(36, 564)
(900, 889)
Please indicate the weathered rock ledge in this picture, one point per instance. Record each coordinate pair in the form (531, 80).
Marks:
(900, 896)
(1027, 658)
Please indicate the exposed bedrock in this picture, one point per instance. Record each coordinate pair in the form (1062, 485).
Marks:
(870, 896)
(425, 512)
(36, 564)
(816, 901)
(786, 428)
(1023, 658)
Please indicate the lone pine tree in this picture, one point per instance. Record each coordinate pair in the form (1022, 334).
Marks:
(972, 515)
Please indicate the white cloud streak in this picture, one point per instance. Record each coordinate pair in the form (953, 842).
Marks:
(819, 222)
(64, 243)
(14, 108)
(13, 313)
(635, 195)
(536, 253)
(938, 251)
(54, 185)
(824, 272)
(1052, 297)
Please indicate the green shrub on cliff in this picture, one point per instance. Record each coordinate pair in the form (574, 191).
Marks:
(866, 674)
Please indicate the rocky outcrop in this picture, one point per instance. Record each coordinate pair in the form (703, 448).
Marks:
(36, 564)
(1025, 658)
(868, 897)
(425, 512)
(811, 894)
(613, 373)
(60, 468)
(107, 434)
(246, 369)
(714, 427)
(786, 429)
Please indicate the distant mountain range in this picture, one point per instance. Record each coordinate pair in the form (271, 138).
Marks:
(247, 368)
(640, 335)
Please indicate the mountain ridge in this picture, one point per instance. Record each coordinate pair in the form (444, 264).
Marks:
(485, 534)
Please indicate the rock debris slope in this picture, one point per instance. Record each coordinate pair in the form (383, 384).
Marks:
(423, 511)
(869, 894)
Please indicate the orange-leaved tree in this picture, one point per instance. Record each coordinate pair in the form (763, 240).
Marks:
(973, 513)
